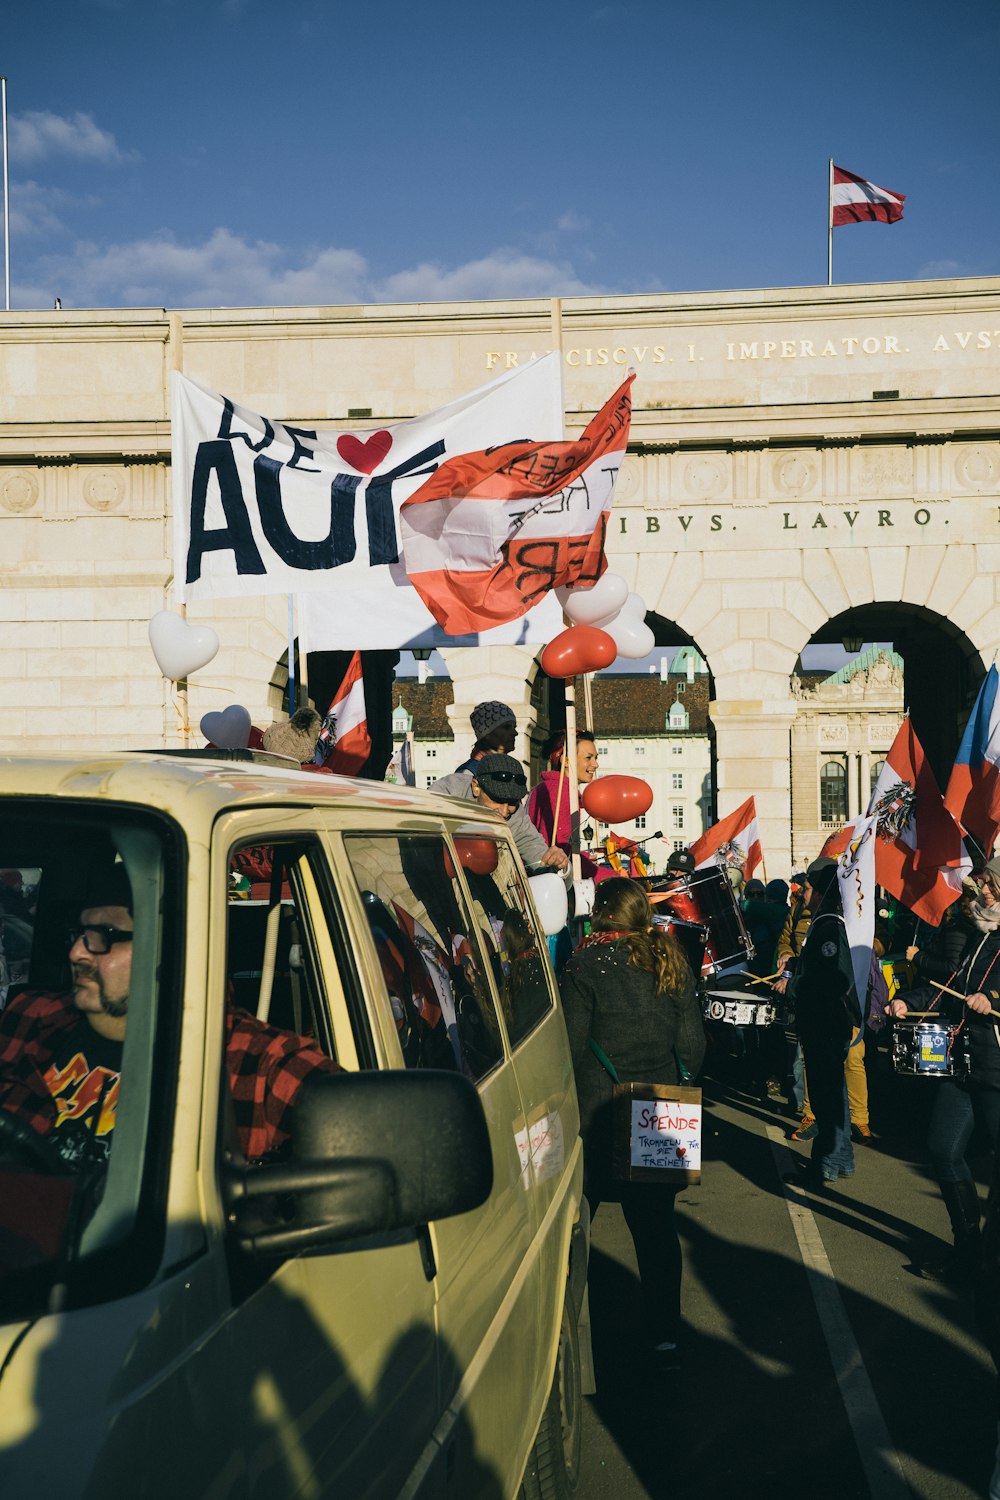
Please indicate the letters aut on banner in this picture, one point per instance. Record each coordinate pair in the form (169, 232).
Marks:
(261, 506)
(657, 1133)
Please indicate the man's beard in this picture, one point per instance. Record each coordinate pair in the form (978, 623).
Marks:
(113, 1008)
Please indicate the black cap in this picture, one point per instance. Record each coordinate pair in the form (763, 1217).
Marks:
(502, 779)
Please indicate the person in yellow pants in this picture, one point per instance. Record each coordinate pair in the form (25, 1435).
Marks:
(857, 1096)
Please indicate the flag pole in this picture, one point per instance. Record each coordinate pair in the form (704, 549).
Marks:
(291, 655)
(829, 226)
(6, 197)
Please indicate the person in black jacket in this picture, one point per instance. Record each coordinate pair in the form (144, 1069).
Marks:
(826, 1013)
(628, 988)
(970, 1097)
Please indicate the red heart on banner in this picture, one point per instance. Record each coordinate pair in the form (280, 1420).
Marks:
(364, 456)
(682, 1151)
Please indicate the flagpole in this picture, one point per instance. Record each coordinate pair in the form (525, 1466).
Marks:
(291, 655)
(829, 226)
(303, 663)
(6, 197)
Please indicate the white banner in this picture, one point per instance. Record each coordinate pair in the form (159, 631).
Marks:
(856, 874)
(263, 507)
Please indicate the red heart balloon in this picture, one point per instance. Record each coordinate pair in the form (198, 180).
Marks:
(616, 799)
(367, 455)
(478, 855)
(581, 648)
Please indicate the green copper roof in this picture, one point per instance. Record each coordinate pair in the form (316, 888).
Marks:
(863, 662)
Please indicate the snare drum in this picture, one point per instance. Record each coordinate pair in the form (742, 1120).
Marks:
(740, 1008)
(930, 1049)
(706, 897)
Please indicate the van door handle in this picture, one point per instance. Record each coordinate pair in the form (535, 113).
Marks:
(426, 1252)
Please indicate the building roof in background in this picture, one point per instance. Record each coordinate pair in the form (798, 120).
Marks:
(863, 662)
(428, 703)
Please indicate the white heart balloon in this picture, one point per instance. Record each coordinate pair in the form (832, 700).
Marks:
(180, 648)
(551, 902)
(602, 602)
(632, 637)
(229, 730)
(633, 608)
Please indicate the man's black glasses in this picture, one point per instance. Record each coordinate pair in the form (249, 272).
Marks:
(98, 938)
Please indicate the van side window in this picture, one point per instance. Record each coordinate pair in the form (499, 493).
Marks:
(424, 937)
(507, 929)
(277, 1024)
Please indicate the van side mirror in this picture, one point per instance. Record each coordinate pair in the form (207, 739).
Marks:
(371, 1152)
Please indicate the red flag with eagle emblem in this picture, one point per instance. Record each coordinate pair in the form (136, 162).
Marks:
(920, 855)
(733, 842)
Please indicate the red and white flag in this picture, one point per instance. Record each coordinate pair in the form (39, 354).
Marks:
(836, 843)
(491, 532)
(854, 201)
(344, 743)
(920, 855)
(733, 842)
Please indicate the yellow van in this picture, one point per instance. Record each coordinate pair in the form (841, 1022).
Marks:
(290, 1169)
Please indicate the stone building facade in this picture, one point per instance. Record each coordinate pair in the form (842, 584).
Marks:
(804, 463)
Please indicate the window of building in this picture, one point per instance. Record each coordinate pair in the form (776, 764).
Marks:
(681, 689)
(602, 750)
(679, 844)
(429, 780)
(679, 718)
(677, 750)
(876, 772)
(677, 816)
(431, 754)
(832, 793)
(638, 750)
(677, 780)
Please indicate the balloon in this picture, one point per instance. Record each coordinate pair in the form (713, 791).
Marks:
(581, 648)
(594, 605)
(633, 608)
(478, 855)
(617, 799)
(229, 730)
(632, 636)
(583, 897)
(551, 902)
(180, 648)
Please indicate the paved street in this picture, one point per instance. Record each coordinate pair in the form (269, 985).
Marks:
(816, 1363)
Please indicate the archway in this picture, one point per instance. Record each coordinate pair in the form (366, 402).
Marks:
(942, 669)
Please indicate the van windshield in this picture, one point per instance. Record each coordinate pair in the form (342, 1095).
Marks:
(81, 944)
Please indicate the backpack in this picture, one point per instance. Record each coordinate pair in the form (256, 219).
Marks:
(878, 996)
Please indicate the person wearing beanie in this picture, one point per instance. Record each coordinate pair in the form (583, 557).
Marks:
(827, 1012)
(495, 728)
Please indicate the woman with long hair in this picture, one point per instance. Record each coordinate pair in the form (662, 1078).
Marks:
(628, 989)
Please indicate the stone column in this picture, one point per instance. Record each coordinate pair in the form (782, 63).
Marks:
(852, 784)
(482, 672)
(752, 743)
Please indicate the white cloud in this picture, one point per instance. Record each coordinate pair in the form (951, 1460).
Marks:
(38, 134)
(226, 270)
(503, 273)
(938, 270)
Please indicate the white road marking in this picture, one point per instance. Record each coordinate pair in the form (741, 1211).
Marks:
(879, 1458)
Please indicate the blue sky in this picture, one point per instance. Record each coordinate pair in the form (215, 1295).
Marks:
(236, 152)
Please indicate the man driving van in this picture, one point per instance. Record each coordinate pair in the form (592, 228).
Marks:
(61, 1054)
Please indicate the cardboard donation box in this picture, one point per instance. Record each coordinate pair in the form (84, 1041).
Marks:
(657, 1133)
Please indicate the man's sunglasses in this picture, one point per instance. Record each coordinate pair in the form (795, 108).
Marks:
(97, 938)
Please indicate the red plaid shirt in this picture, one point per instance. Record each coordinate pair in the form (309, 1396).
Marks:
(266, 1067)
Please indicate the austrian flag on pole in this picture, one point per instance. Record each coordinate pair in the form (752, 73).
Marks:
(490, 533)
(920, 855)
(346, 725)
(855, 200)
(733, 842)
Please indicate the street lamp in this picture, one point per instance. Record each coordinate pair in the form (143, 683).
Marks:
(852, 644)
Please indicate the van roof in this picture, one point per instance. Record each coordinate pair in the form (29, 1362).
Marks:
(169, 781)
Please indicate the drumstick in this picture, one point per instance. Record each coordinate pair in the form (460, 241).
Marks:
(957, 995)
(756, 978)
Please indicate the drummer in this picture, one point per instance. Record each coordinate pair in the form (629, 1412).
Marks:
(969, 1099)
